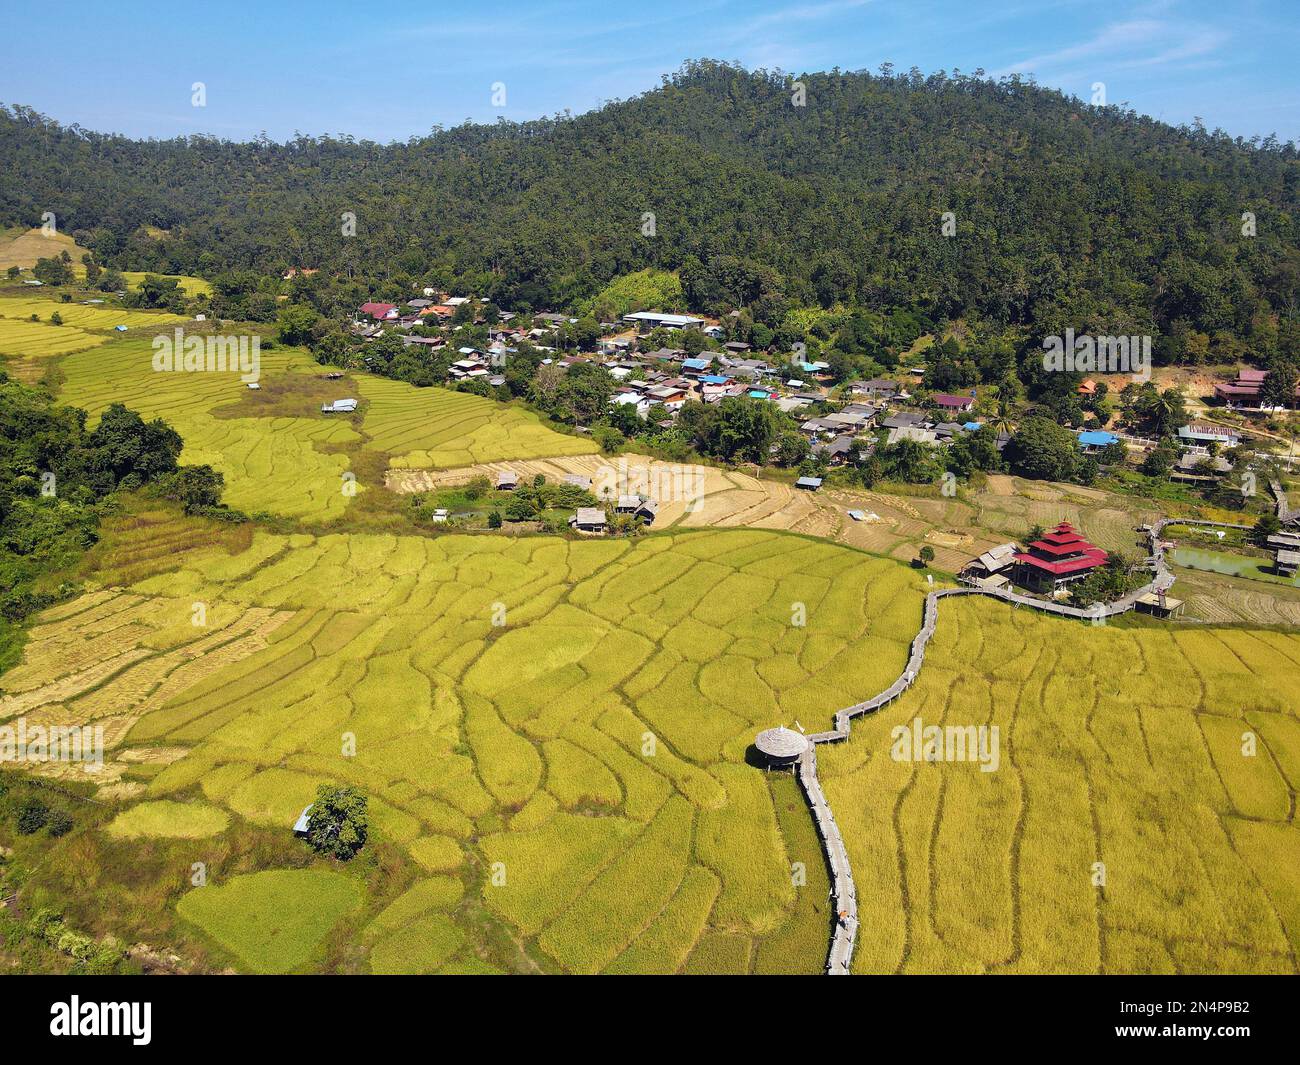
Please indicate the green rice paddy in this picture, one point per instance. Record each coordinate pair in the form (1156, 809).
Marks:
(272, 921)
(280, 465)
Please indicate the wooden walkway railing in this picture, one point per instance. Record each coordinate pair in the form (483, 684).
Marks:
(1284, 514)
(844, 893)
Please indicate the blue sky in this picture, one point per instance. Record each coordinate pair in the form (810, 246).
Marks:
(388, 71)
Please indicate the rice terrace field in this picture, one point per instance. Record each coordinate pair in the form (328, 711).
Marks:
(37, 340)
(434, 427)
(553, 736)
(295, 464)
(591, 748)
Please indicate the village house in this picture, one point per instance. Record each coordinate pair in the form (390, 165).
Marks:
(614, 345)
(905, 420)
(432, 343)
(1095, 440)
(633, 397)
(818, 427)
(1245, 392)
(1203, 433)
(666, 354)
(671, 394)
(468, 369)
(790, 404)
(646, 321)
(379, 311)
(947, 402)
(917, 433)
(837, 451)
(881, 387)
(992, 569)
(588, 520)
(1286, 557)
(1199, 466)
(751, 369)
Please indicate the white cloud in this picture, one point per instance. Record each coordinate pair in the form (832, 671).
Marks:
(1143, 42)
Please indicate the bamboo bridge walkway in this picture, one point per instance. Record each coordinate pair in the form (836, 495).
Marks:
(844, 893)
(1284, 513)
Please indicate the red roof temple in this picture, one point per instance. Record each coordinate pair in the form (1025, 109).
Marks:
(1060, 557)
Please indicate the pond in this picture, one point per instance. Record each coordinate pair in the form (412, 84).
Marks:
(1255, 569)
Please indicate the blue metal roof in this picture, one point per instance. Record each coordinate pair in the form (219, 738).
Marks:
(1097, 438)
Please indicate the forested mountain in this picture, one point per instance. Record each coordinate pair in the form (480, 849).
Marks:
(1066, 214)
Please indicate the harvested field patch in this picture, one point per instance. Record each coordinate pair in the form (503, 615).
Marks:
(163, 819)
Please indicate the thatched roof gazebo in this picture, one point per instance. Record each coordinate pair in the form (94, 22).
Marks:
(780, 746)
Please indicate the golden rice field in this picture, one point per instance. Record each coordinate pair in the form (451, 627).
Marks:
(191, 286)
(575, 775)
(435, 427)
(1120, 746)
(39, 340)
(276, 465)
(95, 316)
(301, 466)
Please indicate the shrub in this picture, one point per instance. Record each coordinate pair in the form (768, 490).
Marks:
(32, 817)
(59, 823)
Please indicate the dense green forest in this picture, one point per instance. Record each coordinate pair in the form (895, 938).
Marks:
(57, 479)
(1065, 213)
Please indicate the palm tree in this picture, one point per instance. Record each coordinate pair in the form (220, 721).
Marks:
(1004, 419)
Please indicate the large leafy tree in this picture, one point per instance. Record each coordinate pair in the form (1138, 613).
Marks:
(1042, 449)
(339, 822)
